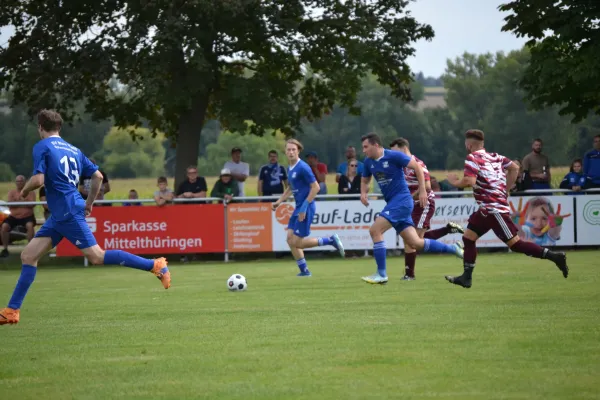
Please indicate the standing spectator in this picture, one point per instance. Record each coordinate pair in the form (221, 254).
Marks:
(19, 215)
(163, 195)
(239, 169)
(319, 169)
(272, 177)
(350, 182)
(133, 195)
(435, 185)
(536, 164)
(343, 167)
(45, 206)
(193, 187)
(225, 188)
(591, 164)
(85, 184)
(575, 179)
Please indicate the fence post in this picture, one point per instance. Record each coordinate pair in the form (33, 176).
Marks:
(575, 219)
(226, 255)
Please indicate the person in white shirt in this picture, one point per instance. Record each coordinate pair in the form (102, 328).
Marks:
(239, 170)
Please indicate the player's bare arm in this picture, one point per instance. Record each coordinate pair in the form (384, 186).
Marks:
(466, 181)
(314, 191)
(286, 194)
(34, 183)
(96, 183)
(421, 179)
(364, 189)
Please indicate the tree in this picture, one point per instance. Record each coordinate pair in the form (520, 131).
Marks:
(185, 61)
(564, 44)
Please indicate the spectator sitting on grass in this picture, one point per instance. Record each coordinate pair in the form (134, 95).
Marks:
(163, 195)
(225, 188)
(133, 195)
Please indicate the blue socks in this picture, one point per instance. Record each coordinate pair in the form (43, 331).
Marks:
(25, 280)
(302, 264)
(325, 241)
(433, 246)
(119, 257)
(379, 254)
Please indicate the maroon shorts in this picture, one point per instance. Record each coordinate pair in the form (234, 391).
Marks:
(482, 221)
(422, 216)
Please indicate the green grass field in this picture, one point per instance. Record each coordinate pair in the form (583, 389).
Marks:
(521, 332)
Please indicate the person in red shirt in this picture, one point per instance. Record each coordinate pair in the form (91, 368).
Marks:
(319, 169)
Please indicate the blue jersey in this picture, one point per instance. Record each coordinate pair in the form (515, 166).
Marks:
(389, 174)
(62, 165)
(301, 179)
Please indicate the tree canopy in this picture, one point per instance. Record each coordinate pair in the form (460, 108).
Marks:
(564, 40)
(185, 61)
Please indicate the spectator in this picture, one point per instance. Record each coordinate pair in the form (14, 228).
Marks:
(45, 206)
(272, 177)
(575, 180)
(225, 188)
(239, 169)
(350, 182)
(85, 184)
(343, 167)
(591, 164)
(194, 187)
(319, 169)
(163, 195)
(435, 185)
(133, 195)
(537, 166)
(20, 216)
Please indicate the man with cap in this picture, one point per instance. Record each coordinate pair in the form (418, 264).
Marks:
(239, 169)
(319, 169)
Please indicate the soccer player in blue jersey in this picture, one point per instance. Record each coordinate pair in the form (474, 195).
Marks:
(58, 165)
(303, 184)
(388, 168)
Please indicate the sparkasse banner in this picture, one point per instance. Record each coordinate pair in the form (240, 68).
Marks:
(156, 230)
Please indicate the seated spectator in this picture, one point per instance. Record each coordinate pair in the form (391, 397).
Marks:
(226, 187)
(272, 177)
(163, 195)
(575, 180)
(133, 195)
(239, 170)
(85, 184)
(319, 169)
(435, 185)
(591, 164)
(343, 167)
(350, 182)
(194, 187)
(45, 206)
(20, 216)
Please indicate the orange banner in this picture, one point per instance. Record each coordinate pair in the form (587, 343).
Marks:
(249, 227)
(174, 229)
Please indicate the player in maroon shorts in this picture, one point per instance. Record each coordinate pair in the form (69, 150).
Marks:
(485, 172)
(421, 216)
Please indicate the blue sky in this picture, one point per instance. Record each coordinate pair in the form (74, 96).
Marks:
(459, 25)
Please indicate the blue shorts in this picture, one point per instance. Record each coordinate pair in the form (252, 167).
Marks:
(399, 214)
(75, 229)
(302, 228)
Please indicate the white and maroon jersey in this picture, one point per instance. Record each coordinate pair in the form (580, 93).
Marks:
(413, 183)
(490, 188)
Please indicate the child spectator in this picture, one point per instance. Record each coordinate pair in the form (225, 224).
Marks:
(163, 195)
(133, 195)
(225, 188)
(575, 179)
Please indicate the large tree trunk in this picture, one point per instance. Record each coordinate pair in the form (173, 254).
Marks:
(188, 139)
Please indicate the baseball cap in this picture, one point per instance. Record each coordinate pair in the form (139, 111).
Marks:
(225, 171)
(311, 154)
(235, 150)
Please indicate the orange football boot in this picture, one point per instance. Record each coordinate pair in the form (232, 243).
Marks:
(9, 316)
(161, 271)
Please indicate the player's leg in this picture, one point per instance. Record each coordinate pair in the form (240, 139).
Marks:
(5, 232)
(377, 230)
(451, 227)
(410, 258)
(411, 238)
(302, 231)
(421, 217)
(297, 253)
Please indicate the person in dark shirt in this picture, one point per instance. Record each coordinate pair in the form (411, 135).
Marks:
(350, 181)
(272, 177)
(85, 183)
(194, 187)
(133, 195)
(576, 179)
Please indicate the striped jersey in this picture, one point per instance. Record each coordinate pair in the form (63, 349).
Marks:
(489, 169)
(413, 183)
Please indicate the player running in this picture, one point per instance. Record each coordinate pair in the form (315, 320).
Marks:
(421, 216)
(485, 172)
(58, 166)
(388, 168)
(304, 186)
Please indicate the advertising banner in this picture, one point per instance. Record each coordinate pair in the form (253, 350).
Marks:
(174, 229)
(588, 220)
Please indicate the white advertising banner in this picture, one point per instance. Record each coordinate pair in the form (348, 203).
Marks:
(351, 220)
(588, 219)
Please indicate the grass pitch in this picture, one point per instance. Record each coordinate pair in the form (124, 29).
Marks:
(521, 332)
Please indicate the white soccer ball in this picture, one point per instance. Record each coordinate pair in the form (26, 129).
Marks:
(237, 283)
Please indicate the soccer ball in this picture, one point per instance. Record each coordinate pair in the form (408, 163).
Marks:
(237, 283)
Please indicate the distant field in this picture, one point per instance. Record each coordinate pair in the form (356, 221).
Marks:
(146, 186)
